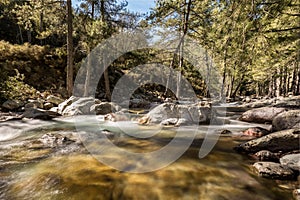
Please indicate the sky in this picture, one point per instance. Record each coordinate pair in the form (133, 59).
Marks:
(141, 6)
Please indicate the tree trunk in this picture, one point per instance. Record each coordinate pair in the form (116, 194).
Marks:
(88, 76)
(280, 87)
(106, 76)
(179, 48)
(208, 68)
(29, 36)
(294, 80)
(223, 95)
(238, 86)
(21, 35)
(93, 9)
(298, 85)
(41, 21)
(69, 48)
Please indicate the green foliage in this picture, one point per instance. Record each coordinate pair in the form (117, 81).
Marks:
(253, 43)
(15, 88)
(42, 66)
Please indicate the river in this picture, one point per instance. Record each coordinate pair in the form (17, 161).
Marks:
(29, 169)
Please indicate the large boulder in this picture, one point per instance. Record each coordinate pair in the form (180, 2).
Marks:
(285, 141)
(292, 161)
(80, 106)
(261, 115)
(286, 120)
(273, 170)
(266, 155)
(288, 102)
(12, 104)
(36, 113)
(191, 113)
(85, 106)
(104, 108)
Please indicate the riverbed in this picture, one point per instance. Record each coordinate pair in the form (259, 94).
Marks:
(31, 168)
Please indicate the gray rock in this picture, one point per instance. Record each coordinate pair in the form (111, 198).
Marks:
(266, 155)
(12, 104)
(285, 141)
(288, 102)
(170, 121)
(103, 108)
(292, 161)
(191, 113)
(54, 100)
(54, 140)
(273, 170)
(54, 109)
(181, 122)
(62, 106)
(76, 106)
(261, 115)
(36, 113)
(286, 120)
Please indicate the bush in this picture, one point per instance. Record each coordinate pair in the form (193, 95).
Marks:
(15, 88)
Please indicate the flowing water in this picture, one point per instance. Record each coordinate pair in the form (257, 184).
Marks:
(61, 168)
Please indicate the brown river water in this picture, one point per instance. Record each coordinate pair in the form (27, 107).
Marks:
(29, 170)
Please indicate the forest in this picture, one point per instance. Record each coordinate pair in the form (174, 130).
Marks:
(193, 99)
(254, 44)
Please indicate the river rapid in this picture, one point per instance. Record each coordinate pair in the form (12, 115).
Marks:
(50, 160)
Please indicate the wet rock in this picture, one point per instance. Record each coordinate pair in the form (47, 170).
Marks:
(191, 113)
(285, 141)
(54, 100)
(292, 161)
(6, 116)
(36, 113)
(54, 140)
(273, 170)
(12, 104)
(170, 121)
(266, 155)
(286, 120)
(261, 115)
(115, 117)
(225, 132)
(296, 194)
(256, 132)
(174, 122)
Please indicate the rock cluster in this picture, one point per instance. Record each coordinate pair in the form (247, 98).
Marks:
(176, 114)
